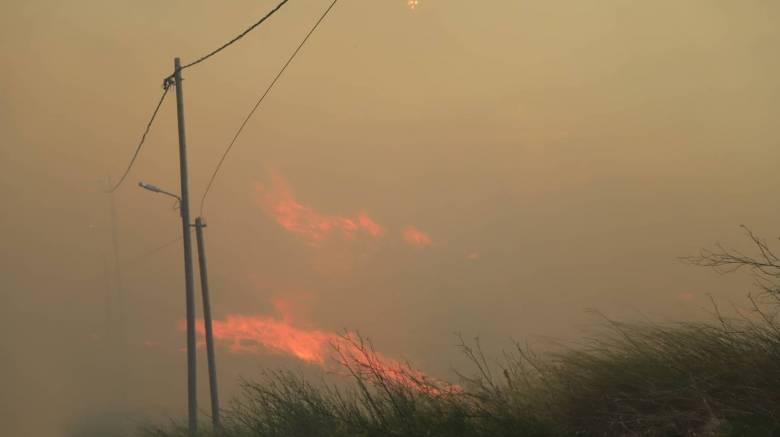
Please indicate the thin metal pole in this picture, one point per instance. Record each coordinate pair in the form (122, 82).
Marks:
(108, 332)
(120, 293)
(192, 400)
(204, 287)
(118, 333)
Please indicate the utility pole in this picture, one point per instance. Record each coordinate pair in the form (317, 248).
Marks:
(107, 333)
(117, 329)
(192, 400)
(204, 287)
(119, 292)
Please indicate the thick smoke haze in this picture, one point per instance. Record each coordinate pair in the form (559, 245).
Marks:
(494, 168)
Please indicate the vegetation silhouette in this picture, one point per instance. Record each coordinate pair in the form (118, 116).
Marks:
(637, 379)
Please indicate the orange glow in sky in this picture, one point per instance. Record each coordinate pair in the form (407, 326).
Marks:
(279, 202)
(413, 3)
(416, 237)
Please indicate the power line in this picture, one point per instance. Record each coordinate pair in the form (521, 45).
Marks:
(238, 37)
(168, 80)
(259, 101)
(166, 86)
(153, 251)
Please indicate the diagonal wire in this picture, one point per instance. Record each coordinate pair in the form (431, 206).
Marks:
(143, 139)
(153, 251)
(259, 101)
(238, 37)
(167, 83)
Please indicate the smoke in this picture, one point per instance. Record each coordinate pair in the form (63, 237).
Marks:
(557, 159)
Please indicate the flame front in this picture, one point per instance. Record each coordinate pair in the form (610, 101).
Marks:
(249, 334)
(252, 334)
(279, 202)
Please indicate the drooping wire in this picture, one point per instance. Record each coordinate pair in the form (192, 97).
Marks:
(168, 81)
(166, 86)
(153, 251)
(238, 37)
(259, 101)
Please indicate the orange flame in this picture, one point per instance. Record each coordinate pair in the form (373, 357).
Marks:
(413, 4)
(279, 202)
(251, 334)
(248, 334)
(416, 237)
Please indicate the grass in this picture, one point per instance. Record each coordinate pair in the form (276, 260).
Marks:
(690, 379)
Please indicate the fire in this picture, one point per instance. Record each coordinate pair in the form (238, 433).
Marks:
(250, 334)
(279, 202)
(413, 4)
(253, 334)
(416, 237)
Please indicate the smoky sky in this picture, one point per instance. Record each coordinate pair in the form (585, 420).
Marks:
(553, 157)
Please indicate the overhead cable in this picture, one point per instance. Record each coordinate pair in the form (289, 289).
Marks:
(259, 101)
(166, 86)
(238, 37)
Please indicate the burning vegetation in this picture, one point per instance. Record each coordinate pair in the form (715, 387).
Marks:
(688, 379)
(639, 380)
(332, 351)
